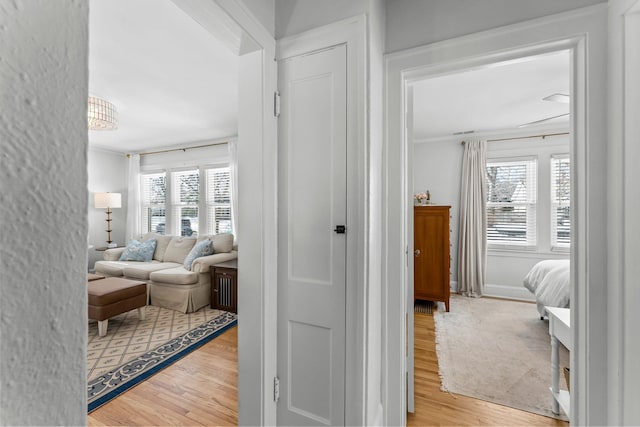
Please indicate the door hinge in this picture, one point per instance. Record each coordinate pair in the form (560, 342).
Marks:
(276, 389)
(276, 104)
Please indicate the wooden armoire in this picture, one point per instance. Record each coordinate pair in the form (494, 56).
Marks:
(431, 265)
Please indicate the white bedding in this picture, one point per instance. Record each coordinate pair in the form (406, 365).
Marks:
(549, 281)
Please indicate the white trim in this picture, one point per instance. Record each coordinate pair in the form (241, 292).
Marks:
(508, 292)
(351, 31)
(566, 31)
(256, 369)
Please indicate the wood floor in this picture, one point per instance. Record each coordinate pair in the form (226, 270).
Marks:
(201, 390)
(437, 408)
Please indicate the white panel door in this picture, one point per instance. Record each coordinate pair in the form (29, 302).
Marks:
(312, 255)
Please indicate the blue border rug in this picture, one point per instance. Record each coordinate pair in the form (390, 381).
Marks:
(115, 382)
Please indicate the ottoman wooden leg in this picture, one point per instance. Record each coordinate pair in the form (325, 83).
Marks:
(141, 312)
(102, 327)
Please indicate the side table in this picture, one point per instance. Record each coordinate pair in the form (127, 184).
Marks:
(224, 286)
(560, 331)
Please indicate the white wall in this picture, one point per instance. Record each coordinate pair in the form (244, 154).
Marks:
(296, 16)
(43, 211)
(412, 23)
(107, 172)
(373, 374)
(437, 167)
(264, 11)
(623, 232)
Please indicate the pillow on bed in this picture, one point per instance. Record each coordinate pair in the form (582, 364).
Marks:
(201, 249)
(136, 251)
(537, 274)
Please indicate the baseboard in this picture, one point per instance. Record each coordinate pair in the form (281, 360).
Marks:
(509, 292)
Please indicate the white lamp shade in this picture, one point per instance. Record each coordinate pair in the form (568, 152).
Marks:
(107, 200)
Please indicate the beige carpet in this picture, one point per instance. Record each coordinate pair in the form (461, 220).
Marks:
(498, 351)
(128, 337)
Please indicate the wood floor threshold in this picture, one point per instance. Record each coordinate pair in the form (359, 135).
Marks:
(201, 389)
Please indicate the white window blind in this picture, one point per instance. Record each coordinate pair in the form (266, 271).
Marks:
(184, 202)
(154, 191)
(511, 202)
(218, 183)
(560, 201)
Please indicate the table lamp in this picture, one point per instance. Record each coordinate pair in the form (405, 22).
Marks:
(108, 201)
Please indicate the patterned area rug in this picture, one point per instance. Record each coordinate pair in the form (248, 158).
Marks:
(134, 349)
(498, 351)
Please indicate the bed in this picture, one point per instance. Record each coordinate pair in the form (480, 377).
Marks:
(548, 280)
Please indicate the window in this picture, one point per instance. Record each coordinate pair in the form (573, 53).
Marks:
(184, 201)
(560, 201)
(218, 182)
(511, 202)
(172, 201)
(153, 195)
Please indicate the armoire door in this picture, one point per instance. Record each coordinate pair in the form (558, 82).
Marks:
(312, 186)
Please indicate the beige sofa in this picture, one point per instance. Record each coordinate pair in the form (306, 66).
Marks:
(170, 285)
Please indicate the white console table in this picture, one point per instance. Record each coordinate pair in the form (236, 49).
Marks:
(560, 331)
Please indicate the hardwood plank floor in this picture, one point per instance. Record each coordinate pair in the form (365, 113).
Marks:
(201, 390)
(433, 407)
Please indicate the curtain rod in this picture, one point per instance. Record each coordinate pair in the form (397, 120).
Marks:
(181, 149)
(543, 136)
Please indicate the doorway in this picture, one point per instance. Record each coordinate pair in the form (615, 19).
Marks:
(528, 221)
(588, 125)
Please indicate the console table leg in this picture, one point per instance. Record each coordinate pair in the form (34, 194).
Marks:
(555, 374)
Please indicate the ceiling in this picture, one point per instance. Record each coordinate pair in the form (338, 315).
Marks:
(171, 81)
(495, 98)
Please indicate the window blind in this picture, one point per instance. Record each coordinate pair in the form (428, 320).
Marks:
(186, 194)
(511, 202)
(218, 200)
(560, 201)
(154, 191)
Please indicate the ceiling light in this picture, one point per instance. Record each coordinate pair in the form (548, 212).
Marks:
(101, 114)
(558, 97)
(537, 122)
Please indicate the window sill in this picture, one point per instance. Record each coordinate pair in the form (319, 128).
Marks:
(526, 253)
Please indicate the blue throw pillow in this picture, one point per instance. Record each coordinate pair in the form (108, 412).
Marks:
(136, 251)
(203, 248)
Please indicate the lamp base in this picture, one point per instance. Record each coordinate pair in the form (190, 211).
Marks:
(112, 245)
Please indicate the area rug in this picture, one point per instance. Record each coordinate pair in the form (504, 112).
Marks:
(133, 349)
(498, 351)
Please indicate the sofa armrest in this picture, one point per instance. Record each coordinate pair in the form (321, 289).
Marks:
(113, 254)
(203, 264)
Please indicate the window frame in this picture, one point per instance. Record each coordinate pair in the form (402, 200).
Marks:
(553, 204)
(207, 203)
(144, 206)
(531, 243)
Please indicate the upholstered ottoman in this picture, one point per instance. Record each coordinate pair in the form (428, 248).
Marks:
(111, 296)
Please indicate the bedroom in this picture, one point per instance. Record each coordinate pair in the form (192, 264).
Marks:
(527, 159)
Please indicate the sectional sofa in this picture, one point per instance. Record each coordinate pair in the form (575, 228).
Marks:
(170, 284)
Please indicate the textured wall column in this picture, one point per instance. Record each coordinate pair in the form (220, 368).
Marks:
(43, 211)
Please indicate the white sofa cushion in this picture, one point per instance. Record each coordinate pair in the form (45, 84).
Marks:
(221, 242)
(162, 242)
(113, 268)
(178, 249)
(177, 276)
(143, 269)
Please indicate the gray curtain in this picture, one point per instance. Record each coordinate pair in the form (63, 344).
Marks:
(472, 228)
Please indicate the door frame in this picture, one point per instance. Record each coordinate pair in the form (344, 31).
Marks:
(352, 32)
(565, 31)
(234, 24)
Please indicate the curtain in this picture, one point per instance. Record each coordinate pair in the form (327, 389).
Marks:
(233, 176)
(472, 228)
(134, 227)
